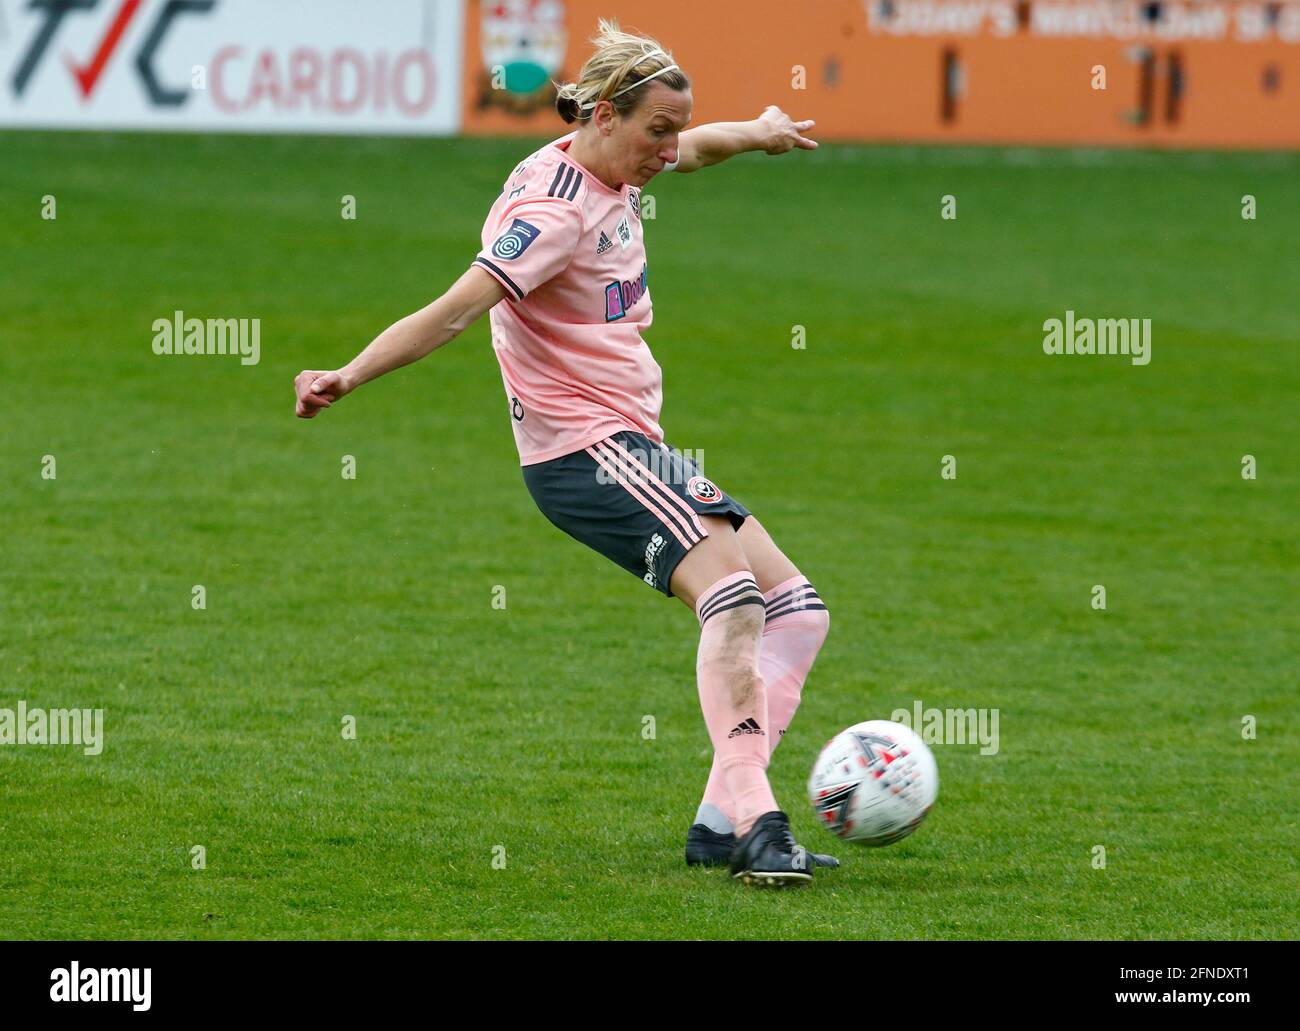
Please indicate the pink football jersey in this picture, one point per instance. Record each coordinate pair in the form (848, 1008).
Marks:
(570, 254)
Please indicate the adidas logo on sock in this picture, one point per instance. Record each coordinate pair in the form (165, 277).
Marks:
(605, 243)
(749, 726)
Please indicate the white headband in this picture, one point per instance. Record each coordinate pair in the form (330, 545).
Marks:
(642, 82)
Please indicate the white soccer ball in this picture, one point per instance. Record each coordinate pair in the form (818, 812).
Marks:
(874, 783)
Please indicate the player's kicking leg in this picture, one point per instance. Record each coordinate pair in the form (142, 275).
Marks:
(715, 580)
(796, 622)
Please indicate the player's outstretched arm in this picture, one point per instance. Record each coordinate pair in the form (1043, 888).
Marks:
(772, 132)
(405, 341)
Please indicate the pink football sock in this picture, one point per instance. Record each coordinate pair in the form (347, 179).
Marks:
(796, 625)
(733, 696)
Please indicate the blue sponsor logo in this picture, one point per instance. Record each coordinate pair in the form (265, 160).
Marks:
(515, 240)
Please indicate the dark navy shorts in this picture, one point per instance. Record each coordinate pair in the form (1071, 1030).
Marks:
(636, 502)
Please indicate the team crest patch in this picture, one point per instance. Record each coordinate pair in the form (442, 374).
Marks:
(515, 240)
(634, 199)
(702, 489)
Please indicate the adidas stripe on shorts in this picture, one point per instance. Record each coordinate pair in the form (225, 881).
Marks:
(636, 502)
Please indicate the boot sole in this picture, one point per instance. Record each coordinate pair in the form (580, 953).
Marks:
(773, 879)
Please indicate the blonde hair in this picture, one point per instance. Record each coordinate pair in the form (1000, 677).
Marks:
(622, 60)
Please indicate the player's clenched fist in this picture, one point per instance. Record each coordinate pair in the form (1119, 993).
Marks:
(317, 389)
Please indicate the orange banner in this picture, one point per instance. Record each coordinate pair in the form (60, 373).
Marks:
(1100, 72)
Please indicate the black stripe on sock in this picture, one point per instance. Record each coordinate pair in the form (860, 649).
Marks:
(807, 589)
(734, 605)
(778, 613)
(744, 586)
(713, 604)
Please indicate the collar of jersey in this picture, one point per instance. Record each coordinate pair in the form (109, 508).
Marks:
(591, 177)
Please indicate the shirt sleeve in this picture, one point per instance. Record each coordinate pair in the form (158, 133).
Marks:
(535, 241)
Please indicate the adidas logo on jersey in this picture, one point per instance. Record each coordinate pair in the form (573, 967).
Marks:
(749, 726)
(605, 243)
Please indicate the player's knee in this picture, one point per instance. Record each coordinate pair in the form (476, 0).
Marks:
(816, 624)
(821, 619)
(815, 618)
(809, 613)
(819, 626)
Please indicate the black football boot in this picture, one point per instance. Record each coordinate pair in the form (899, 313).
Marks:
(706, 847)
(769, 857)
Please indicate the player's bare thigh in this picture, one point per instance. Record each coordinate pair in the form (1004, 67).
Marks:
(725, 551)
(768, 562)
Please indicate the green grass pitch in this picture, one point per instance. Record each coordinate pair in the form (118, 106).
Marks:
(479, 727)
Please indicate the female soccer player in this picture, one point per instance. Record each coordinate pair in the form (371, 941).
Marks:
(563, 272)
